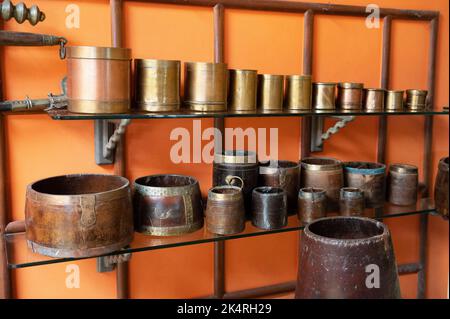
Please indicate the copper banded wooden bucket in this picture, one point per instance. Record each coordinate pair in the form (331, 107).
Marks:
(78, 215)
(98, 79)
(167, 205)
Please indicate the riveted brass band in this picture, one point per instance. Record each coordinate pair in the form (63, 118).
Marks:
(236, 157)
(170, 231)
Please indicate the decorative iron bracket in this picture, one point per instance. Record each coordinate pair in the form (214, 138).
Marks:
(107, 135)
(317, 134)
(109, 263)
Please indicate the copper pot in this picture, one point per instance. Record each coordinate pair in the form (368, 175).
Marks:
(350, 95)
(394, 100)
(441, 187)
(370, 178)
(243, 86)
(298, 92)
(75, 216)
(347, 258)
(312, 204)
(326, 173)
(403, 182)
(98, 79)
(324, 96)
(284, 174)
(270, 92)
(157, 84)
(374, 99)
(205, 86)
(167, 205)
(225, 211)
(351, 202)
(269, 207)
(416, 99)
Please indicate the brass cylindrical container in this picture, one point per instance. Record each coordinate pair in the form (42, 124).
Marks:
(324, 96)
(326, 173)
(225, 212)
(351, 202)
(394, 100)
(98, 79)
(269, 207)
(243, 164)
(374, 99)
(350, 95)
(312, 204)
(205, 86)
(80, 215)
(284, 174)
(403, 181)
(441, 188)
(157, 85)
(270, 92)
(243, 88)
(416, 99)
(370, 178)
(298, 92)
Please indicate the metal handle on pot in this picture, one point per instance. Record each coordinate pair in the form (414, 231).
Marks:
(88, 214)
(229, 180)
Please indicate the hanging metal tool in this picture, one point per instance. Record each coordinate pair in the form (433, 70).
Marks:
(21, 13)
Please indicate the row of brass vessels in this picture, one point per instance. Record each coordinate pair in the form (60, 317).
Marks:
(99, 81)
(86, 215)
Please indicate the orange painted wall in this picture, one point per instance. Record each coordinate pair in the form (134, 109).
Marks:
(344, 50)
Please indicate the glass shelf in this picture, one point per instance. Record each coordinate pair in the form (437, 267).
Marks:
(19, 256)
(63, 114)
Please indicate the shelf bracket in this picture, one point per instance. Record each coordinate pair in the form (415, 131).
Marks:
(109, 263)
(107, 135)
(317, 134)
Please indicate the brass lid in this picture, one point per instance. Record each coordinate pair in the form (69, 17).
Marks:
(325, 84)
(321, 163)
(287, 166)
(312, 193)
(204, 65)
(151, 63)
(236, 157)
(417, 92)
(375, 89)
(293, 77)
(89, 52)
(271, 77)
(242, 71)
(350, 85)
(225, 192)
(403, 168)
(395, 91)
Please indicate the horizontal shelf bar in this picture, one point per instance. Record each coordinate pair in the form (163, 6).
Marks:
(301, 7)
(19, 256)
(66, 115)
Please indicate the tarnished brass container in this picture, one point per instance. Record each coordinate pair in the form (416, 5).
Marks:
(167, 205)
(338, 255)
(157, 85)
(284, 174)
(269, 207)
(298, 92)
(81, 215)
(416, 99)
(370, 178)
(326, 173)
(324, 96)
(270, 92)
(98, 79)
(351, 202)
(373, 99)
(394, 100)
(403, 183)
(312, 204)
(205, 86)
(441, 188)
(225, 211)
(350, 95)
(243, 88)
(243, 164)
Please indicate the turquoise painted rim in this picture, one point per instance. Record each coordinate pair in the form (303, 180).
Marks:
(365, 171)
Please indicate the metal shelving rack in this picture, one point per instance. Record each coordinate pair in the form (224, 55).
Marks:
(309, 10)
